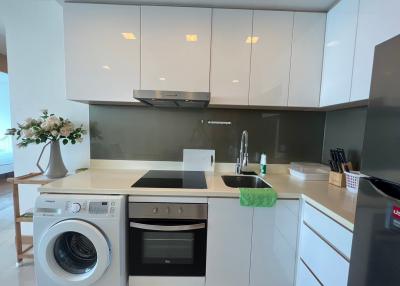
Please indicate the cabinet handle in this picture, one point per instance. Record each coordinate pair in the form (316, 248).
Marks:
(167, 227)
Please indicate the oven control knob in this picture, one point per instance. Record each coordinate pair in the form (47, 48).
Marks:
(75, 208)
(155, 210)
(180, 211)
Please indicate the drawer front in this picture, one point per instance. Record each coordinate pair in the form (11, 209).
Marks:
(305, 277)
(326, 264)
(330, 230)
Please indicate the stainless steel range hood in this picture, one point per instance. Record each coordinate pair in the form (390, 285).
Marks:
(158, 98)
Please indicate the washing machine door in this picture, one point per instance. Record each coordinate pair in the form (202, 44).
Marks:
(73, 252)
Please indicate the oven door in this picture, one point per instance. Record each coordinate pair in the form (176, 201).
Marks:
(167, 247)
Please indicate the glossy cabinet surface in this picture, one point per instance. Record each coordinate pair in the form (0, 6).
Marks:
(228, 243)
(340, 237)
(270, 58)
(243, 57)
(330, 268)
(305, 277)
(274, 244)
(378, 21)
(324, 250)
(306, 59)
(251, 246)
(175, 52)
(100, 64)
(340, 38)
(230, 56)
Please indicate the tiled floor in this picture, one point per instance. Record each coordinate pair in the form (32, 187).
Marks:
(11, 275)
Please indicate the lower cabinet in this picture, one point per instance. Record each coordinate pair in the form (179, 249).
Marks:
(324, 250)
(251, 246)
(305, 277)
(274, 244)
(228, 243)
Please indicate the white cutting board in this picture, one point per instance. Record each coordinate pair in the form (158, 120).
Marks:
(198, 160)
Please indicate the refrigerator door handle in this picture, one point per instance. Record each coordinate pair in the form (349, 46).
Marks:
(386, 189)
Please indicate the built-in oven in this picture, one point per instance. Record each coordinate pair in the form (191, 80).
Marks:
(167, 239)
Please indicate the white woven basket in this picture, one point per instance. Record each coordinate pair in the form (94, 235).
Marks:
(353, 180)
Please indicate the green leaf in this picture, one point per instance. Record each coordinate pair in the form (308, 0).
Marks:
(65, 141)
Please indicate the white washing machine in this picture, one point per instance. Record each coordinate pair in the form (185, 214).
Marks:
(80, 240)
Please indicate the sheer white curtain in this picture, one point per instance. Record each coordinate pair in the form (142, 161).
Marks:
(5, 122)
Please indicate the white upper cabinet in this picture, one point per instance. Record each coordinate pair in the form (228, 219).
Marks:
(378, 21)
(230, 56)
(102, 51)
(175, 53)
(341, 28)
(306, 60)
(270, 58)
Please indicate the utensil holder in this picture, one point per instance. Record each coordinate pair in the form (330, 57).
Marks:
(337, 179)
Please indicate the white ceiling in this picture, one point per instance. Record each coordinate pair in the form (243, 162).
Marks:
(295, 5)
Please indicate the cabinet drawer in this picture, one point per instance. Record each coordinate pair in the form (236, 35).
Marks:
(326, 264)
(331, 231)
(304, 276)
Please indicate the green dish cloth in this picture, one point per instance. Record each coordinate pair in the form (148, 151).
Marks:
(261, 198)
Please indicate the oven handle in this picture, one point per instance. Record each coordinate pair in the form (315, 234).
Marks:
(167, 227)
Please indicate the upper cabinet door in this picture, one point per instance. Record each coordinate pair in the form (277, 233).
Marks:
(230, 56)
(340, 38)
(175, 53)
(270, 58)
(102, 51)
(378, 21)
(306, 60)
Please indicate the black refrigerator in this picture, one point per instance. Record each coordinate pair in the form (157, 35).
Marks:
(375, 255)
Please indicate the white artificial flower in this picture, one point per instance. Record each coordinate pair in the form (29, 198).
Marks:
(50, 123)
(28, 133)
(53, 120)
(80, 140)
(54, 133)
(65, 131)
(45, 126)
(29, 122)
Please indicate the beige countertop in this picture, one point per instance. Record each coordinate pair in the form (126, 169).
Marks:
(333, 201)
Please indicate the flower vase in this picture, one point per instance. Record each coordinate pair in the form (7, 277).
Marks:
(55, 168)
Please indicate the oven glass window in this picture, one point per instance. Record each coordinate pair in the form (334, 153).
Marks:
(75, 253)
(168, 247)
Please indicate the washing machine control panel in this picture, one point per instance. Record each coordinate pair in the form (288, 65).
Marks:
(74, 208)
(91, 207)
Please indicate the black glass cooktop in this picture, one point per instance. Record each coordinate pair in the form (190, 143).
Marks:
(172, 179)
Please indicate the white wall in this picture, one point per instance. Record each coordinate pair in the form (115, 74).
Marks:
(35, 50)
(5, 123)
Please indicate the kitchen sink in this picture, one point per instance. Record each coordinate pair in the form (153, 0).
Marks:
(245, 182)
(252, 173)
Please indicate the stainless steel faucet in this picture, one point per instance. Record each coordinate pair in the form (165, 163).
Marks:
(243, 160)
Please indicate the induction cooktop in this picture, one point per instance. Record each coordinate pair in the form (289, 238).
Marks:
(172, 179)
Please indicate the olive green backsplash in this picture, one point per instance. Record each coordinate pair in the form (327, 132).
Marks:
(145, 133)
